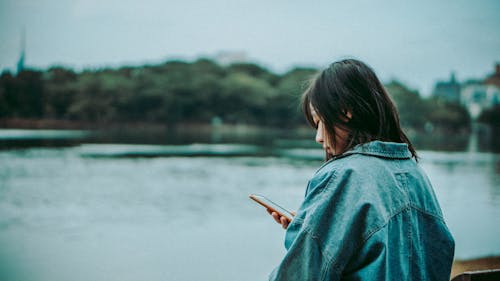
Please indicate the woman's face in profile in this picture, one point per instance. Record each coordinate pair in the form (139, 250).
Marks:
(322, 136)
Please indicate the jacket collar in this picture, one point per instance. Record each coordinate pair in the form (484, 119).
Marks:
(391, 150)
(381, 149)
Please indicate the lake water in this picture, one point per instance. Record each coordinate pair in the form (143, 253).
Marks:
(108, 211)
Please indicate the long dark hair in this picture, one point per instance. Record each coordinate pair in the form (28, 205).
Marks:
(349, 96)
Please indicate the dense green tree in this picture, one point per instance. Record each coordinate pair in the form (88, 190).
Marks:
(446, 116)
(177, 92)
(284, 108)
(23, 94)
(60, 91)
(491, 116)
(410, 105)
(243, 98)
(254, 70)
(6, 106)
(427, 114)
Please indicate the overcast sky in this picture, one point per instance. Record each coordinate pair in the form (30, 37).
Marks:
(417, 43)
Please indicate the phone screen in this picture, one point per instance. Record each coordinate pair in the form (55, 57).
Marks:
(267, 203)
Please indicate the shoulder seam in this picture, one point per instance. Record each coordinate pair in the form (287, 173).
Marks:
(404, 208)
(407, 207)
(425, 212)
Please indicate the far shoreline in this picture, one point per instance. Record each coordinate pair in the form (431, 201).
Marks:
(142, 127)
(438, 141)
(64, 124)
(484, 263)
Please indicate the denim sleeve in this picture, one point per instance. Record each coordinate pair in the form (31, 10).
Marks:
(302, 261)
(306, 258)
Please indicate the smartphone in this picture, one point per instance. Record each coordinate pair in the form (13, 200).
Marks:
(268, 204)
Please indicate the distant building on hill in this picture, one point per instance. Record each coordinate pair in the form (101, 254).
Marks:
(230, 57)
(448, 90)
(477, 96)
(474, 95)
(494, 79)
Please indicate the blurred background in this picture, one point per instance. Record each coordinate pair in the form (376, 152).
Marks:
(132, 132)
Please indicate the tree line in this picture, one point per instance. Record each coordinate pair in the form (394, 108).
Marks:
(180, 92)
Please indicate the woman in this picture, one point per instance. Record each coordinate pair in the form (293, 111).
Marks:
(369, 212)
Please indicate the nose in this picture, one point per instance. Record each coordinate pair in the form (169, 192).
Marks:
(319, 134)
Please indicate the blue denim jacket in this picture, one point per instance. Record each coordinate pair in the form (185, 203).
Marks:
(369, 214)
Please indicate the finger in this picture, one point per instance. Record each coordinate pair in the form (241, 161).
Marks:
(284, 222)
(276, 217)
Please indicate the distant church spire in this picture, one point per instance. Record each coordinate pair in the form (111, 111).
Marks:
(20, 62)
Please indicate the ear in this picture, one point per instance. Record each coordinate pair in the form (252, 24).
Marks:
(347, 114)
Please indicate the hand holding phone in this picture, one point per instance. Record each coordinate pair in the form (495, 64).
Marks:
(272, 207)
